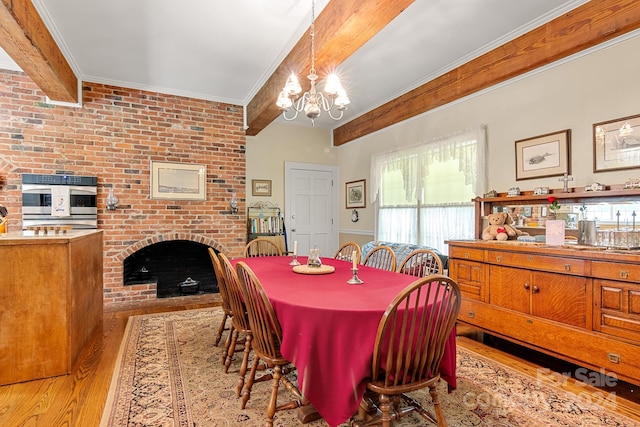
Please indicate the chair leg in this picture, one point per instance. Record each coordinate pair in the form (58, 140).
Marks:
(245, 364)
(246, 392)
(273, 400)
(227, 343)
(221, 329)
(385, 408)
(231, 350)
(442, 422)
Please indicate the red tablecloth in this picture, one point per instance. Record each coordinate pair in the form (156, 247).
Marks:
(329, 328)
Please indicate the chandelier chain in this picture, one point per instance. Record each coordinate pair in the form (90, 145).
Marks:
(312, 32)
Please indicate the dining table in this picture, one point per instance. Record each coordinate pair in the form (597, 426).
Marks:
(329, 327)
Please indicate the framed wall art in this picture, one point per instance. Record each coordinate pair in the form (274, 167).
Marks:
(543, 156)
(616, 144)
(261, 187)
(356, 194)
(178, 181)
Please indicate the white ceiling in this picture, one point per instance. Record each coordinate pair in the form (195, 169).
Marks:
(225, 50)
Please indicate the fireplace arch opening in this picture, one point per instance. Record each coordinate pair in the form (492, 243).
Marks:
(174, 266)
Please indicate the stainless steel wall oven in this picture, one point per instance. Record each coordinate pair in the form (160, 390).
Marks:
(55, 200)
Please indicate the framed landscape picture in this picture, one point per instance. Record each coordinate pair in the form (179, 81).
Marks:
(356, 194)
(543, 156)
(178, 181)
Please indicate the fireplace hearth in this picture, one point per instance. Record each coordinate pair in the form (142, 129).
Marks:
(170, 264)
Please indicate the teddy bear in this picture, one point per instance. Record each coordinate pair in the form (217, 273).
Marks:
(500, 227)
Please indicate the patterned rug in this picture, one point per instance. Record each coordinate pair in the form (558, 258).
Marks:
(169, 373)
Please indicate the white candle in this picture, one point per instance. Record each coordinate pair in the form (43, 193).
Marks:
(353, 259)
(295, 247)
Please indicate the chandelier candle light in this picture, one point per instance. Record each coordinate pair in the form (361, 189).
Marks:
(313, 102)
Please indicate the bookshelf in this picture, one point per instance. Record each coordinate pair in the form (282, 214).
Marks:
(264, 219)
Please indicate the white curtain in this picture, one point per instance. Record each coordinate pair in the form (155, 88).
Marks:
(468, 147)
(424, 223)
(398, 225)
(440, 223)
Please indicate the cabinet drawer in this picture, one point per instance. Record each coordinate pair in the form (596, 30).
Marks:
(615, 271)
(466, 253)
(538, 262)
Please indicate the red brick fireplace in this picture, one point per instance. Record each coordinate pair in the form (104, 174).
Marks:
(115, 136)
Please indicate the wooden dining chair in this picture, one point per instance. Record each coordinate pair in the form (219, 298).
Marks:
(261, 247)
(240, 322)
(409, 346)
(381, 257)
(267, 338)
(421, 263)
(226, 307)
(346, 252)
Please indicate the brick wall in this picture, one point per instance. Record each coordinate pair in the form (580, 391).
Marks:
(115, 136)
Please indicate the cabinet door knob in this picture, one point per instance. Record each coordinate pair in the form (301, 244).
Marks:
(293, 230)
(624, 274)
(526, 286)
(536, 289)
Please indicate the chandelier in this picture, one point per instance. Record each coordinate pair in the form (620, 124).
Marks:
(313, 102)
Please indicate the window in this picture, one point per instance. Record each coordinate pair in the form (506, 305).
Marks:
(423, 193)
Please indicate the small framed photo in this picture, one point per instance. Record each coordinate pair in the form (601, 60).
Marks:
(261, 187)
(356, 194)
(616, 144)
(543, 156)
(178, 181)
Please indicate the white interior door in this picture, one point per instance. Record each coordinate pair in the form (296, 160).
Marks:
(311, 201)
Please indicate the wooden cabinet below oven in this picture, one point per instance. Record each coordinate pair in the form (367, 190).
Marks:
(50, 301)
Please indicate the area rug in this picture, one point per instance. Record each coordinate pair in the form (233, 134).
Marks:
(169, 373)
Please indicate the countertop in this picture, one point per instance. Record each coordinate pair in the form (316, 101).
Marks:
(24, 237)
(568, 249)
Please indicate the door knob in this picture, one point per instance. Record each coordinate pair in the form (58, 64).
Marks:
(293, 230)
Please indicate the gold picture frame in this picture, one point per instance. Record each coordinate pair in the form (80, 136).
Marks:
(356, 194)
(261, 187)
(616, 144)
(178, 181)
(544, 156)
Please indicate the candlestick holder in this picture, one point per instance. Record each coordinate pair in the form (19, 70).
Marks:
(355, 280)
(294, 261)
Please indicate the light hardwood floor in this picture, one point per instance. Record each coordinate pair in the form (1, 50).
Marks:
(77, 400)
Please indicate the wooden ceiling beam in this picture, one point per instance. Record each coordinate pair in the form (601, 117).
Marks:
(28, 42)
(584, 27)
(340, 30)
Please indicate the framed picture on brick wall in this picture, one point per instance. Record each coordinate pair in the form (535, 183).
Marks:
(178, 181)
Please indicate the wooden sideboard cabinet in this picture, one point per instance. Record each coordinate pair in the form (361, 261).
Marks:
(50, 301)
(577, 304)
